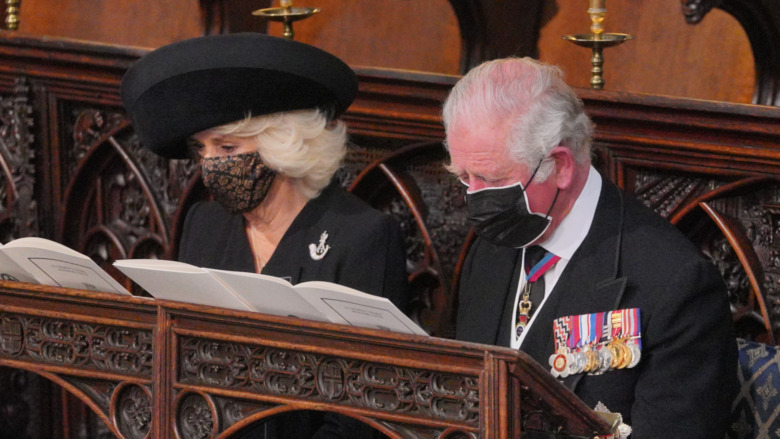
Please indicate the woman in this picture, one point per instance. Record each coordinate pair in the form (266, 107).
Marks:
(258, 114)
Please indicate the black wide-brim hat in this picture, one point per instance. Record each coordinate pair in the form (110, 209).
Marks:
(186, 87)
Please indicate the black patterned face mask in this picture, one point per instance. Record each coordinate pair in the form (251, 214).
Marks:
(239, 182)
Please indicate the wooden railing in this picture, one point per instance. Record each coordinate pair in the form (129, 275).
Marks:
(156, 369)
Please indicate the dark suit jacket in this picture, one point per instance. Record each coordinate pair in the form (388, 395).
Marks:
(631, 258)
(366, 253)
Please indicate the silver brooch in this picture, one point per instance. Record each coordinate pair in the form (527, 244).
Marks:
(318, 252)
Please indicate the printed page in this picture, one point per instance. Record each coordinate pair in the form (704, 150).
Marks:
(10, 270)
(269, 294)
(181, 282)
(52, 263)
(352, 307)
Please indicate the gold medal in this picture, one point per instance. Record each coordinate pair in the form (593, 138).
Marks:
(593, 360)
(617, 354)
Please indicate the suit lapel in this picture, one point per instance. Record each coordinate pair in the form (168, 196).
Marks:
(478, 318)
(589, 283)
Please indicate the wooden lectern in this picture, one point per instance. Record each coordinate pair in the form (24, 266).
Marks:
(157, 369)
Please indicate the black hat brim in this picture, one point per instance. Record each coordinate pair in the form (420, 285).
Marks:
(197, 84)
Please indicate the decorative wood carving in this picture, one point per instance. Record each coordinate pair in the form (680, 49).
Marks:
(268, 370)
(761, 21)
(123, 201)
(216, 370)
(196, 417)
(78, 345)
(737, 225)
(18, 208)
(133, 411)
(412, 185)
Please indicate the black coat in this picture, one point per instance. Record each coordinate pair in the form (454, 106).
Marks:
(631, 258)
(366, 253)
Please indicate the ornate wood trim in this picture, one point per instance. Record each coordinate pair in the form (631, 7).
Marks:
(213, 370)
(761, 21)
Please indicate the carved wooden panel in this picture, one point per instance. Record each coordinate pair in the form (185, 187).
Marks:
(274, 371)
(411, 184)
(96, 348)
(214, 371)
(18, 208)
(712, 170)
(732, 218)
(122, 201)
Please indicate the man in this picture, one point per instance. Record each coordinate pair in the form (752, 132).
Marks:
(628, 313)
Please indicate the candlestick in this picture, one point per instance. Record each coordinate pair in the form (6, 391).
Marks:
(597, 41)
(12, 14)
(287, 14)
(597, 4)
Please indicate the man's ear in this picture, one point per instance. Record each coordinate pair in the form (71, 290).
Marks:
(565, 166)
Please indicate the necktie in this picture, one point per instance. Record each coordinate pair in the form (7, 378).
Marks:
(537, 262)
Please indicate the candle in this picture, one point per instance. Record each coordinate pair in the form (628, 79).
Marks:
(597, 4)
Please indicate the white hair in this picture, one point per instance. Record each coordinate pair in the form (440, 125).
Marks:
(543, 111)
(300, 144)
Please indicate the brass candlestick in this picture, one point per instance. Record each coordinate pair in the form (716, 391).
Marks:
(597, 40)
(12, 14)
(287, 14)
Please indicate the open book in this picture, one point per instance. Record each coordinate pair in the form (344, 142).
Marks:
(42, 261)
(314, 300)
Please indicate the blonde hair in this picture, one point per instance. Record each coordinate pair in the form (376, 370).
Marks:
(300, 144)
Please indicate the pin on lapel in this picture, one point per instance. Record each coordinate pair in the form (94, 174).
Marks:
(317, 252)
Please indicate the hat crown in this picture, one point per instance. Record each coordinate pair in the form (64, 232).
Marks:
(196, 84)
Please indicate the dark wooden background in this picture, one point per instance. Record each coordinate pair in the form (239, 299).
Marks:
(71, 168)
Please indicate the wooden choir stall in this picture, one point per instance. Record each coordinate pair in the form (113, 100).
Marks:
(78, 364)
(170, 370)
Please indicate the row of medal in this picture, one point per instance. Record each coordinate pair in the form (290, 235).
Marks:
(596, 343)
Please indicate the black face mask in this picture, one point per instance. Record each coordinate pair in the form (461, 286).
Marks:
(501, 215)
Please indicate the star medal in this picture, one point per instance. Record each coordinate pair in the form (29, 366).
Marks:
(559, 362)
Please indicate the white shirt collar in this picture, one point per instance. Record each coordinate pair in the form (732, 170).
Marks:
(575, 226)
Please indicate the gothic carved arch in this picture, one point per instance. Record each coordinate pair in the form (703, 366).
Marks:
(412, 185)
(761, 21)
(737, 226)
(18, 208)
(122, 201)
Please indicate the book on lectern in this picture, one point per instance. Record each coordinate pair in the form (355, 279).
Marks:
(313, 300)
(46, 262)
